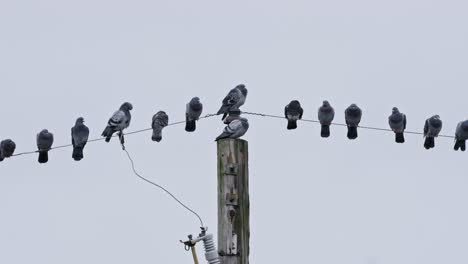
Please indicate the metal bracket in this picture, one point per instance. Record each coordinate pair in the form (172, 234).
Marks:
(231, 169)
(232, 198)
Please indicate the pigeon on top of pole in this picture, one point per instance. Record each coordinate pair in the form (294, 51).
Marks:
(44, 141)
(397, 122)
(293, 112)
(353, 115)
(236, 129)
(432, 128)
(193, 112)
(326, 114)
(461, 135)
(235, 99)
(80, 134)
(118, 122)
(7, 148)
(159, 121)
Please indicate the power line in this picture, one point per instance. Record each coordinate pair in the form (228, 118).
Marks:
(101, 138)
(341, 124)
(162, 188)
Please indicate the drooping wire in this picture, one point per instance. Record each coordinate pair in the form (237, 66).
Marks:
(162, 188)
(100, 139)
(340, 124)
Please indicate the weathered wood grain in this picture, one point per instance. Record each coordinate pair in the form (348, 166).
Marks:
(233, 201)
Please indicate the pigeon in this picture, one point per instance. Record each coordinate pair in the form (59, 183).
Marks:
(235, 99)
(326, 113)
(79, 134)
(160, 120)
(118, 122)
(44, 140)
(432, 128)
(192, 113)
(233, 115)
(461, 135)
(353, 116)
(397, 122)
(236, 129)
(293, 112)
(7, 148)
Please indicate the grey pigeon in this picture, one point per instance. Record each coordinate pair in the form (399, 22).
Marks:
(353, 116)
(235, 99)
(397, 122)
(44, 141)
(118, 122)
(233, 115)
(160, 120)
(7, 148)
(326, 114)
(461, 135)
(80, 134)
(236, 129)
(193, 112)
(432, 128)
(293, 112)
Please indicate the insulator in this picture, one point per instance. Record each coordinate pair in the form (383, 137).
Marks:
(211, 254)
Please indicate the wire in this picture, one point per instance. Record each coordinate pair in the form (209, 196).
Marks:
(341, 124)
(100, 139)
(162, 188)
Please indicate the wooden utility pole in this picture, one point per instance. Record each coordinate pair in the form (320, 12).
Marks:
(233, 201)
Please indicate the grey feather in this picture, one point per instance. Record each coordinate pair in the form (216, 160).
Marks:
(119, 121)
(44, 141)
(233, 100)
(432, 128)
(293, 112)
(193, 111)
(7, 149)
(461, 135)
(159, 121)
(397, 122)
(236, 129)
(80, 134)
(353, 115)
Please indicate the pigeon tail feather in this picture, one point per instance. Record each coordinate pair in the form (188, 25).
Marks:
(157, 136)
(325, 132)
(190, 126)
(292, 124)
(429, 143)
(43, 157)
(77, 153)
(107, 133)
(352, 133)
(400, 137)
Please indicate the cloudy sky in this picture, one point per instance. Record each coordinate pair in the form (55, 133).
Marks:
(330, 201)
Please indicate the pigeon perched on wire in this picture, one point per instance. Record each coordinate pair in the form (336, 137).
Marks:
(118, 122)
(7, 148)
(236, 129)
(293, 112)
(235, 99)
(461, 135)
(397, 122)
(432, 128)
(193, 112)
(80, 134)
(160, 120)
(353, 116)
(326, 114)
(233, 115)
(44, 141)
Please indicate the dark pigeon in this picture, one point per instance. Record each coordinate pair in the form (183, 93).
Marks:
(80, 134)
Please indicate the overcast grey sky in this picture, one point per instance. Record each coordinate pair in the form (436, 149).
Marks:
(313, 200)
